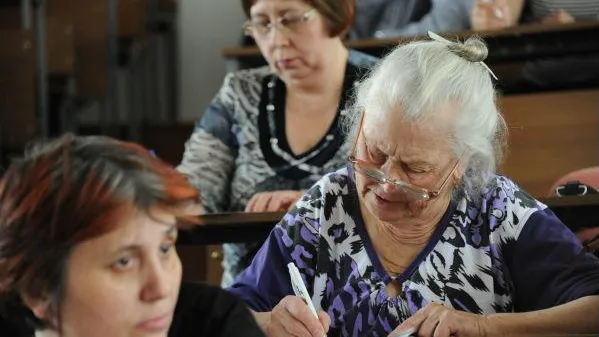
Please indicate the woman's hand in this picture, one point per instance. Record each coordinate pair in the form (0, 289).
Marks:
(490, 15)
(559, 16)
(292, 317)
(439, 321)
(273, 201)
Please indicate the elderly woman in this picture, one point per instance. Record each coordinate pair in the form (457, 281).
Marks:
(272, 132)
(418, 233)
(87, 248)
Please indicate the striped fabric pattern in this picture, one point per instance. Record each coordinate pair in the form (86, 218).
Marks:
(581, 10)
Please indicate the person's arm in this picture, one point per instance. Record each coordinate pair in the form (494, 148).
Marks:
(265, 286)
(580, 316)
(516, 7)
(444, 16)
(556, 283)
(555, 287)
(209, 157)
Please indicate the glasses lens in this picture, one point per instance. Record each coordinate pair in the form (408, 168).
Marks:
(379, 176)
(370, 172)
(414, 191)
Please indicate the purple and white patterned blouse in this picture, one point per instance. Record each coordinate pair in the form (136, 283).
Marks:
(506, 253)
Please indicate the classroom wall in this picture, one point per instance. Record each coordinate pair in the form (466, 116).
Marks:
(205, 27)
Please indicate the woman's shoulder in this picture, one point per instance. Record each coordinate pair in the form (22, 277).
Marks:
(204, 310)
(331, 197)
(503, 190)
(503, 206)
(248, 76)
(338, 182)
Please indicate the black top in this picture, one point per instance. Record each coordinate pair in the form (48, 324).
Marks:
(210, 311)
(201, 311)
(353, 74)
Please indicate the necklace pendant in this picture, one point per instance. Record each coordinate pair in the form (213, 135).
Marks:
(270, 107)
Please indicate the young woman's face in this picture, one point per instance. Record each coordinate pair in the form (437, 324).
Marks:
(125, 283)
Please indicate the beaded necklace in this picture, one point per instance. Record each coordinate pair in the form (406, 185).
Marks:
(290, 160)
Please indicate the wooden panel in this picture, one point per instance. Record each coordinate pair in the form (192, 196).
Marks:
(133, 15)
(193, 259)
(18, 123)
(214, 268)
(168, 141)
(60, 46)
(90, 21)
(60, 41)
(167, 5)
(551, 134)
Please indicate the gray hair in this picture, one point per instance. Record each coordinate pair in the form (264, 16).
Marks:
(422, 76)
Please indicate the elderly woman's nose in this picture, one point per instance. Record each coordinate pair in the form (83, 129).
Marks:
(394, 171)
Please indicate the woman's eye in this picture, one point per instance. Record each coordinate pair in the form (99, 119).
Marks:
(260, 24)
(377, 157)
(123, 263)
(164, 249)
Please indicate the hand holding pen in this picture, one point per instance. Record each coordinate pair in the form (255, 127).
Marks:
(296, 315)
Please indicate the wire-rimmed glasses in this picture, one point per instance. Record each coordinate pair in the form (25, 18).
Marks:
(374, 173)
(286, 24)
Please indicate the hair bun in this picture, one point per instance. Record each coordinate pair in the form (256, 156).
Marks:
(474, 49)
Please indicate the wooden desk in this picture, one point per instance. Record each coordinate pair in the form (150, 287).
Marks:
(508, 48)
(575, 212)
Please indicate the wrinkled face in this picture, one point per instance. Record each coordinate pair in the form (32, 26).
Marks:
(124, 283)
(417, 153)
(294, 50)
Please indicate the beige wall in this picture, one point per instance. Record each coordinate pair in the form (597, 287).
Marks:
(205, 27)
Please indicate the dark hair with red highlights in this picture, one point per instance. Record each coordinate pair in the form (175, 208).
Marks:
(339, 15)
(64, 192)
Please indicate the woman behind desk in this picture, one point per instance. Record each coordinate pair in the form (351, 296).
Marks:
(419, 232)
(87, 235)
(271, 132)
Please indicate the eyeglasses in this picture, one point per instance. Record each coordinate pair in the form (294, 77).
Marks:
(373, 172)
(286, 24)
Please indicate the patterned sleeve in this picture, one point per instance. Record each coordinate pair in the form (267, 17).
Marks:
(548, 265)
(209, 157)
(295, 239)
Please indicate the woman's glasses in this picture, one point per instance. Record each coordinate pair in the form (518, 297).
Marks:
(286, 24)
(376, 174)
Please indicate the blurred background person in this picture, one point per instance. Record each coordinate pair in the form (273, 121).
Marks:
(271, 132)
(395, 18)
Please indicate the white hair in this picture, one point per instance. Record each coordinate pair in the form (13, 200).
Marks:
(422, 76)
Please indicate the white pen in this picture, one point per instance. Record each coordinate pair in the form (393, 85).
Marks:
(299, 288)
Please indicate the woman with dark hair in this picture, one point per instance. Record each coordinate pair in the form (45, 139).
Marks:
(88, 227)
(271, 132)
